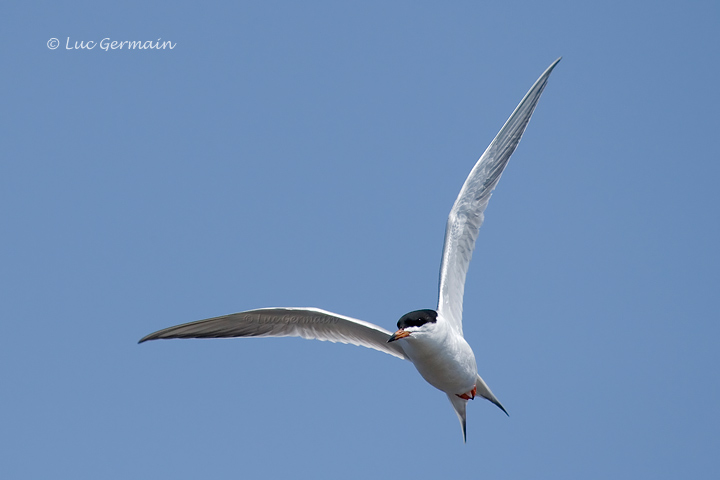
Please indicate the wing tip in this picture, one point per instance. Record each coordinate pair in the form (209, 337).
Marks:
(154, 336)
(146, 338)
(549, 70)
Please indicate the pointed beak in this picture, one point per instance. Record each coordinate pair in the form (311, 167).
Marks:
(397, 335)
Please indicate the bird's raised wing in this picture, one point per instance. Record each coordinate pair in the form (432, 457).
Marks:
(466, 215)
(310, 323)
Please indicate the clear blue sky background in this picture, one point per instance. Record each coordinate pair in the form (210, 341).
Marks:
(307, 154)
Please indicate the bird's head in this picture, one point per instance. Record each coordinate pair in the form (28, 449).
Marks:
(414, 323)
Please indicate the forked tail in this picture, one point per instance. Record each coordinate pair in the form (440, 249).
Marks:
(484, 391)
(460, 404)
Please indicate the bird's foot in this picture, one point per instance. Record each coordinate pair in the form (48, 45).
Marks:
(469, 395)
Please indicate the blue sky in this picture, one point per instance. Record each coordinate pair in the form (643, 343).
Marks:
(307, 154)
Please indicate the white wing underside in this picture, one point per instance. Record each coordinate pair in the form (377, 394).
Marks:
(310, 323)
(467, 216)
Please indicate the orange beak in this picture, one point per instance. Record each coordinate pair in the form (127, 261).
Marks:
(399, 334)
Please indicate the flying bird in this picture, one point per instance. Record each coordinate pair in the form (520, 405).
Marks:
(431, 339)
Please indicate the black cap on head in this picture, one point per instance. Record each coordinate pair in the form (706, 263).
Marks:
(417, 318)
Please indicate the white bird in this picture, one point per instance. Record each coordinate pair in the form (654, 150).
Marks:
(431, 339)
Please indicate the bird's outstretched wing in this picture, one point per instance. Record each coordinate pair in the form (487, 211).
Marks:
(466, 215)
(310, 323)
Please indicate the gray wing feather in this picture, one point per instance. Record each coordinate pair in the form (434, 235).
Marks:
(467, 215)
(310, 323)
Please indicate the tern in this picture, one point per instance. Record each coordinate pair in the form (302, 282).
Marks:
(431, 339)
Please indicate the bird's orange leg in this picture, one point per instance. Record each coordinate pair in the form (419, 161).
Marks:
(469, 395)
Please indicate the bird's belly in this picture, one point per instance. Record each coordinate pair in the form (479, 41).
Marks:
(447, 367)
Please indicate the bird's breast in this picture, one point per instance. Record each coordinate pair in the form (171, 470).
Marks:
(445, 362)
